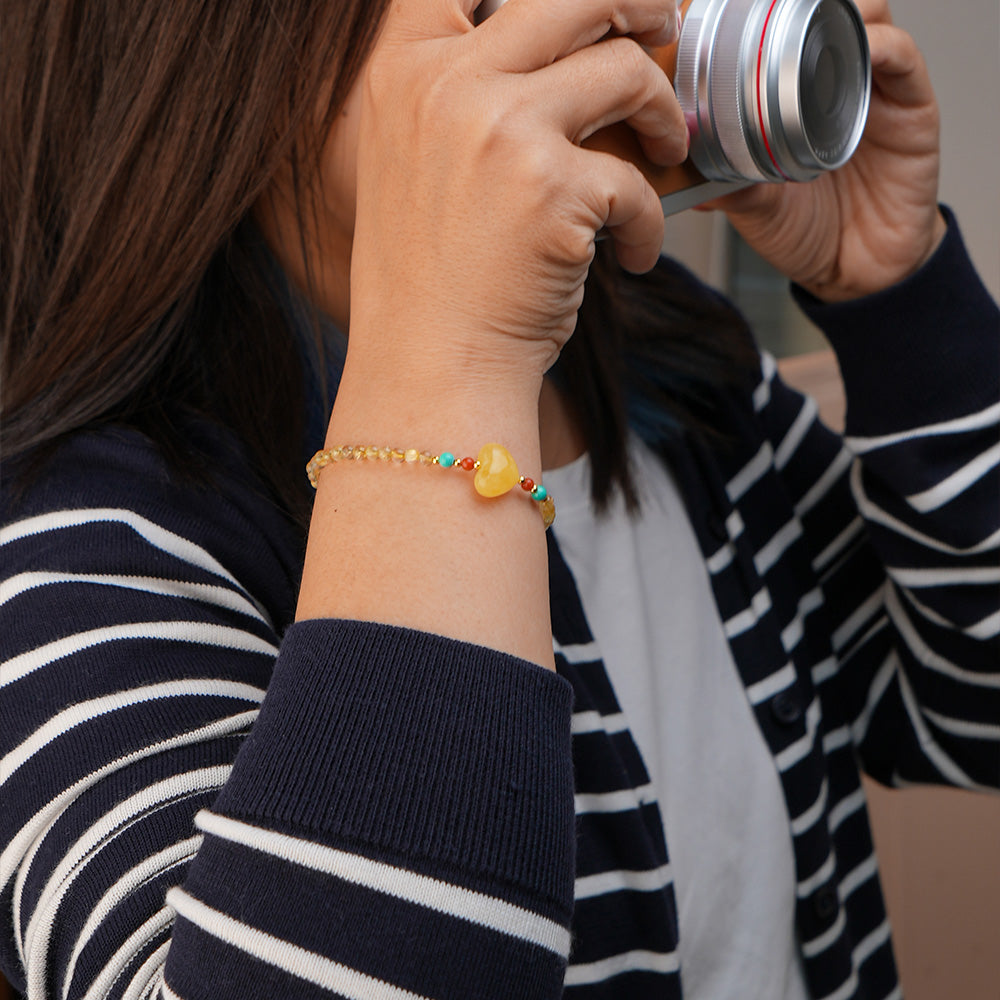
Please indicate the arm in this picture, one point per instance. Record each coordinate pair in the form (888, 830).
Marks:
(904, 537)
(140, 636)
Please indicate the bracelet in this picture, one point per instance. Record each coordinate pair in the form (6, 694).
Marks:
(495, 469)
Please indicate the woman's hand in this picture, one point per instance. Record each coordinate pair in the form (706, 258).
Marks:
(476, 206)
(873, 222)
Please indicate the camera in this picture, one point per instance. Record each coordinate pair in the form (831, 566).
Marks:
(772, 90)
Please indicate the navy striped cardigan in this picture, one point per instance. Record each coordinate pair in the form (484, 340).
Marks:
(204, 801)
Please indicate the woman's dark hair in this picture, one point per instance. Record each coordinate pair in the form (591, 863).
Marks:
(135, 137)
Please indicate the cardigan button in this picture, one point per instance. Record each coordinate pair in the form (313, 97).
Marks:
(825, 902)
(786, 707)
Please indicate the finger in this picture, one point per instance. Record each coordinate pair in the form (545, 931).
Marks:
(623, 202)
(898, 67)
(874, 11)
(524, 35)
(614, 80)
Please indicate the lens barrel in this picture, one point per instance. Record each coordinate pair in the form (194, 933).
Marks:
(773, 89)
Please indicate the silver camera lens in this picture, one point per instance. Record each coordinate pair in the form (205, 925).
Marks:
(773, 89)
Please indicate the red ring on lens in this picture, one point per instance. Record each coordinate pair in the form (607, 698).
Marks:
(760, 113)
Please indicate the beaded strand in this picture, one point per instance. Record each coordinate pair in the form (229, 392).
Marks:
(495, 471)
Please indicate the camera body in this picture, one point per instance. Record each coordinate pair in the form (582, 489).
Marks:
(772, 90)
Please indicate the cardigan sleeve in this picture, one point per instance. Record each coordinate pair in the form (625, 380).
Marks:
(903, 517)
(198, 805)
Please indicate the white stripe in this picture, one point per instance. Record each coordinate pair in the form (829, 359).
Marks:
(762, 393)
(927, 656)
(791, 440)
(85, 711)
(33, 832)
(593, 722)
(800, 749)
(955, 484)
(930, 747)
(962, 727)
(872, 512)
(151, 867)
(878, 687)
(792, 634)
(581, 652)
(857, 877)
(845, 808)
(940, 577)
(974, 421)
(125, 955)
(615, 965)
(201, 633)
(611, 802)
(835, 739)
(149, 976)
(777, 546)
(720, 559)
(750, 472)
(822, 875)
(806, 820)
(35, 942)
(400, 883)
(811, 948)
(745, 620)
(823, 485)
(824, 670)
(983, 630)
(862, 614)
(222, 597)
(771, 685)
(160, 538)
(825, 558)
(652, 880)
(290, 958)
(723, 556)
(848, 989)
(871, 943)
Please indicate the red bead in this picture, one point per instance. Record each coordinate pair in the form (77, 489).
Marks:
(468, 463)
(527, 484)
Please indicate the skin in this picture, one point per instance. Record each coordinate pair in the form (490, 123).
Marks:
(456, 196)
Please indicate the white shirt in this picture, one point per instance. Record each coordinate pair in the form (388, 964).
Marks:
(647, 598)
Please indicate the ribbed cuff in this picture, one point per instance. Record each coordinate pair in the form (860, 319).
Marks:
(418, 749)
(908, 354)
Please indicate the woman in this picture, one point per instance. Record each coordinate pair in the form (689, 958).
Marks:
(423, 806)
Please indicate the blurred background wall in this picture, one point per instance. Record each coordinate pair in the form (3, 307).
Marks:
(939, 850)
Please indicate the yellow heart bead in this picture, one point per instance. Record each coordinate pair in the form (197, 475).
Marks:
(497, 472)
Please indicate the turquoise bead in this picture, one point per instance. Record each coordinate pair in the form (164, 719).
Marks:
(446, 459)
(539, 493)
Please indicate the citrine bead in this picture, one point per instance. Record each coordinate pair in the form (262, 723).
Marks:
(497, 472)
(548, 509)
(371, 452)
(411, 454)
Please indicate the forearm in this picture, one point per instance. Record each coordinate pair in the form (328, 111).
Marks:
(415, 545)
